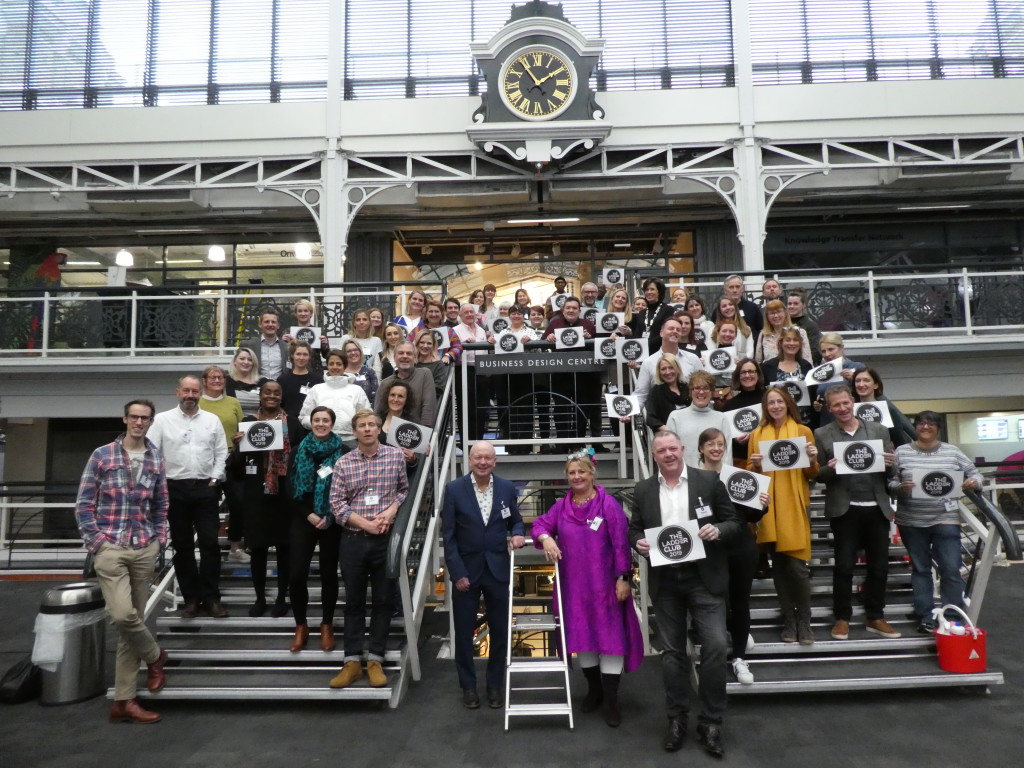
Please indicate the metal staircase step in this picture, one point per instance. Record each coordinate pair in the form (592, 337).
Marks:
(824, 644)
(539, 665)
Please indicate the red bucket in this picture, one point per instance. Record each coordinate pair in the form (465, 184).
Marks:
(960, 653)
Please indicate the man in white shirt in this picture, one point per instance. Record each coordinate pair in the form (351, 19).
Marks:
(192, 442)
(671, 332)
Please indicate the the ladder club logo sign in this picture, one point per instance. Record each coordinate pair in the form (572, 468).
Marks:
(745, 420)
(409, 436)
(609, 323)
(937, 484)
(261, 435)
(869, 412)
(632, 350)
(719, 360)
(742, 487)
(674, 542)
(859, 456)
(621, 405)
(784, 453)
(508, 342)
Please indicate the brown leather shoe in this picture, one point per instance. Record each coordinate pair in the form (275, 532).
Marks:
(301, 638)
(351, 672)
(155, 676)
(190, 610)
(216, 609)
(130, 711)
(882, 628)
(327, 637)
(841, 630)
(375, 672)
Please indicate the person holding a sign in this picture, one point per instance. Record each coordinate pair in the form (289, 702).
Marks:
(681, 496)
(368, 487)
(868, 388)
(357, 369)
(269, 349)
(305, 316)
(618, 302)
(747, 391)
(266, 492)
(796, 305)
(790, 366)
(298, 380)
(728, 309)
(698, 312)
(514, 392)
(313, 526)
(549, 302)
(339, 393)
(585, 532)
(776, 319)
(419, 380)
(785, 527)
(858, 510)
(434, 321)
(833, 347)
(244, 381)
(928, 514)
(415, 305)
(669, 394)
(689, 422)
(671, 333)
(723, 336)
(398, 402)
(580, 402)
(742, 555)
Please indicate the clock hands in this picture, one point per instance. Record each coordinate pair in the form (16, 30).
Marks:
(532, 76)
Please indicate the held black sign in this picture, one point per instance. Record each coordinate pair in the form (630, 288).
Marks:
(700, 336)
(858, 456)
(937, 484)
(409, 436)
(558, 300)
(869, 412)
(824, 373)
(742, 487)
(499, 324)
(745, 420)
(612, 276)
(784, 453)
(632, 350)
(508, 342)
(569, 337)
(609, 323)
(559, 361)
(607, 348)
(674, 543)
(621, 405)
(590, 313)
(719, 360)
(261, 436)
(307, 335)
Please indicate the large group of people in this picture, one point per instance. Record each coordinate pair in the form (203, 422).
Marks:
(332, 482)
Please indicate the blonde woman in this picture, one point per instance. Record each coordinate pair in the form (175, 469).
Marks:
(361, 332)
(394, 334)
(244, 381)
(776, 319)
(305, 317)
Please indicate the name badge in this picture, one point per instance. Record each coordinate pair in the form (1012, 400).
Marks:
(645, 334)
(146, 481)
(371, 500)
(360, 378)
(304, 389)
(596, 523)
(506, 513)
(250, 469)
(952, 505)
(325, 471)
(702, 511)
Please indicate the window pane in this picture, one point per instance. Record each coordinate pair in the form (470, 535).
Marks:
(182, 43)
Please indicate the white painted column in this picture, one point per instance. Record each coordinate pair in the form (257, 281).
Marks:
(333, 206)
(750, 203)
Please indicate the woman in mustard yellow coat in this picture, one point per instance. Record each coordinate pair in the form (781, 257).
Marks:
(786, 528)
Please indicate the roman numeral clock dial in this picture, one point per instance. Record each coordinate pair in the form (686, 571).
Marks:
(538, 83)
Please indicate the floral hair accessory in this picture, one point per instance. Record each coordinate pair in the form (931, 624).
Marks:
(584, 453)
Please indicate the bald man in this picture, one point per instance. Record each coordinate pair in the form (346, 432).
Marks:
(480, 514)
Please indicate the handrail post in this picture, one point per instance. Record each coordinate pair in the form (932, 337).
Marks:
(968, 320)
(871, 304)
(222, 321)
(133, 324)
(45, 340)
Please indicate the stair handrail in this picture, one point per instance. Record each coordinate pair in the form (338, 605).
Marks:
(995, 517)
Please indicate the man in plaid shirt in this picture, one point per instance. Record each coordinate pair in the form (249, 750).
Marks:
(369, 485)
(122, 515)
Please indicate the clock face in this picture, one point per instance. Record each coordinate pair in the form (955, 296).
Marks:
(538, 83)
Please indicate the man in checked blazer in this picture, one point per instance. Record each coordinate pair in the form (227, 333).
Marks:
(674, 494)
(480, 513)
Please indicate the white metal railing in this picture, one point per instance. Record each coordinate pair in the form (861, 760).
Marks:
(105, 321)
(945, 304)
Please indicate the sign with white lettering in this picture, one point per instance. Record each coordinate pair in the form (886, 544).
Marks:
(608, 323)
(672, 544)
(787, 453)
(743, 486)
(508, 342)
(621, 406)
(797, 390)
(261, 436)
(569, 338)
(720, 361)
(308, 334)
(613, 275)
(606, 349)
(406, 434)
(877, 412)
(558, 361)
(825, 373)
(743, 421)
(936, 484)
(632, 350)
(441, 337)
(859, 457)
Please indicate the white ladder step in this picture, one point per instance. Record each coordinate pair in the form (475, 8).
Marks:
(537, 666)
(534, 622)
(538, 709)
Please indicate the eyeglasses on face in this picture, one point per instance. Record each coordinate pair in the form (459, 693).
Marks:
(136, 417)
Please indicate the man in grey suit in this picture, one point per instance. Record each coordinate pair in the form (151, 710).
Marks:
(858, 511)
(480, 514)
(270, 351)
(678, 493)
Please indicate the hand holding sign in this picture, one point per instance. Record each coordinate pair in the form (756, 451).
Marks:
(825, 373)
(876, 411)
(743, 421)
(306, 333)
(787, 453)
(621, 406)
(859, 457)
(743, 486)
(936, 484)
(409, 435)
(261, 436)
(672, 544)
(569, 338)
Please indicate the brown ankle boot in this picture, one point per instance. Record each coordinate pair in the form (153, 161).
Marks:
(301, 638)
(130, 711)
(327, 637)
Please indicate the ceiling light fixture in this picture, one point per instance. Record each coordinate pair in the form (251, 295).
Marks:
(216, 253)
(124, 258)
(623, 245)
(950, 207)
(560, 220)
(84, 263)
(183, 261)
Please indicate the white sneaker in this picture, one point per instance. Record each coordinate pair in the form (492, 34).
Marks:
(239, 556)
(742, 672)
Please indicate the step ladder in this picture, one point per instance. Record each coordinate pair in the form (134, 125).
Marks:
(540, 672)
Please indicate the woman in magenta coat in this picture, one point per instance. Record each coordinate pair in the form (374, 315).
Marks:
(586, 532)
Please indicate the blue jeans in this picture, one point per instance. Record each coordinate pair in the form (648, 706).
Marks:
(683, 590)
(941, 544)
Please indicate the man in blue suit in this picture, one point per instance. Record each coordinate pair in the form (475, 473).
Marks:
(480, 512)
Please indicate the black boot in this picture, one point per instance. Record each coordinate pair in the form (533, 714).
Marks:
(594, 694)
(612, 716)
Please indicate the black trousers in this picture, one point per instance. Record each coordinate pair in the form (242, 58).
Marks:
(304, 540)
(864, 528)
(191, 516)
(464, 610)
(363, 561)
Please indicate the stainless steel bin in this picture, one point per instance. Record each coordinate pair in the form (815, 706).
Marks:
(79, 675)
